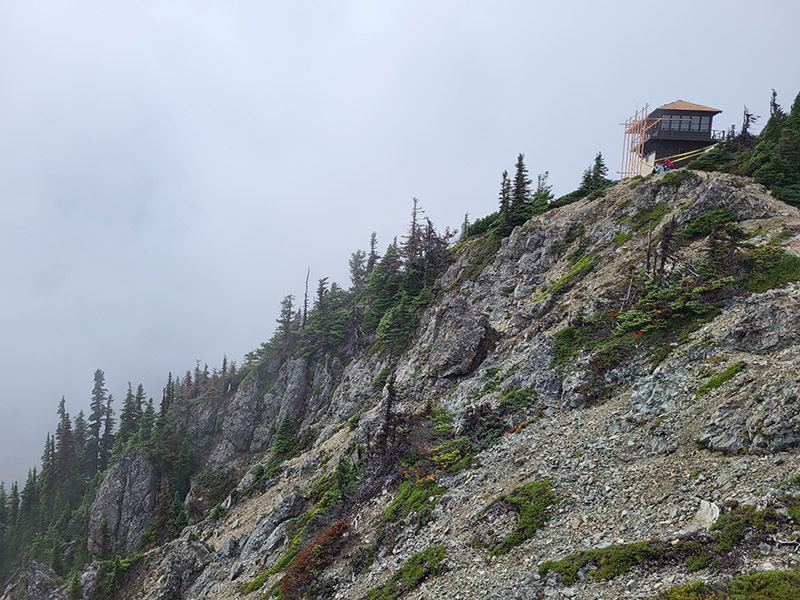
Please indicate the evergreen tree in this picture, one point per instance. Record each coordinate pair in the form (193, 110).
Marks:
(285, 438)
(358, 269)
(79, 435)
(304, 320)
(168, 396)
(65, 451)
(599, 181)
(412, 248)
(97, 417)
(373, 258)
(382, 288)
(3, 512)
(520, 210)
(107, 440)
(128, 418)
(147, 424)
(505, 199)
(543, 194)
(13, 504)
(285, 322)
(464, 228)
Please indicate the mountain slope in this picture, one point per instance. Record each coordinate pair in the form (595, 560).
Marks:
(618, 370)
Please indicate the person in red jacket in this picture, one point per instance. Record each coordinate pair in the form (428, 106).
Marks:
(668, 164)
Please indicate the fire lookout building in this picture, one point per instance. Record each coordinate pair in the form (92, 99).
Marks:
(678, 131)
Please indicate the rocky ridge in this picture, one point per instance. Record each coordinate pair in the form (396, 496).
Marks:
(635, 448)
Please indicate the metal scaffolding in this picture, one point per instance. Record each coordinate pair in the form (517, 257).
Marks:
(633, 145)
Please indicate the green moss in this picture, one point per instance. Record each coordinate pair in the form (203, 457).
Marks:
(778, 269)
(650, 216)
(704, 224)
(417, 569)
(414, 497)
(691, 591)
(583, 265)
(621, 238)
(767, 585)
(674, 179)
(532, 501)
(717, 380)
(697, 556)
(728, 530)
(567, 343)
(606, 563)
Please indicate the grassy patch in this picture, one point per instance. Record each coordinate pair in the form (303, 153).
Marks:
(418, 497)
(532, 501)
(417, 569)
(729, 528)
(717, 380)
(650, 216)
(767, 585)
(604, 563)
(674, 179)
(621, 238)
(704, 224)
(772, 267)
(583, 265)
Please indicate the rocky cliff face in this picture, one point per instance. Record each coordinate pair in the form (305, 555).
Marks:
(123, 507)
(611, 356)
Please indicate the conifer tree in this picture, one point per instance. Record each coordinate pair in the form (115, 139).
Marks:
(373, 258)
(464, 228)
(168, 396)
(128, 417)
(505, 199)
(13, 505)
(543, 194)
(79, 434)
(285, 321)
(599, 172)
(382, 288)
(520, 193)
(107, 440)
(3, 512)
(304, 320)
(145, 433)
(97, 415)
(412, 248)
(358, 269)
(65, 451)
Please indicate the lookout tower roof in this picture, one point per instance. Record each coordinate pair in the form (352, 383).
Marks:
(683, 105)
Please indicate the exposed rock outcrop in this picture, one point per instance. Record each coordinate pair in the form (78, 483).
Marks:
(638, 441)
(124, 506)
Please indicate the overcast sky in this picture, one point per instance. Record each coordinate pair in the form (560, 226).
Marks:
(168, 170)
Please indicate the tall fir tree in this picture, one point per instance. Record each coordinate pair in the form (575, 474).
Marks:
(543, 194)
(168, 396)
(65, 451)
(520, 193)
(128, 418)
(599, 172)
(505, 199)
(97, 414)
(373, 257)
(107, 440)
